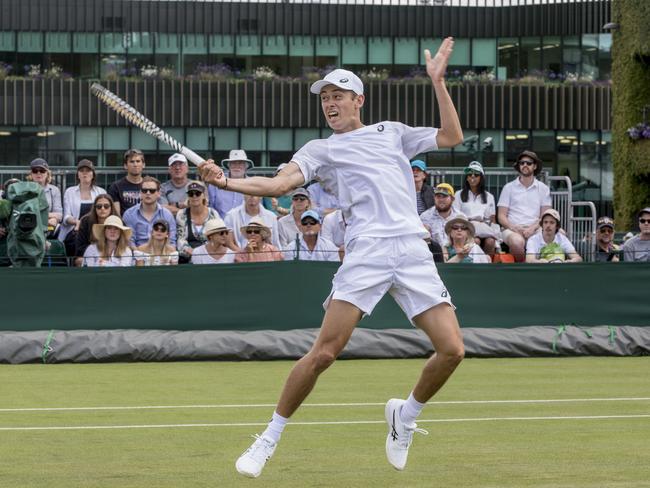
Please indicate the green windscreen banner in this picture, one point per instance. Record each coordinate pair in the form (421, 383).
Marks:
(289, 295)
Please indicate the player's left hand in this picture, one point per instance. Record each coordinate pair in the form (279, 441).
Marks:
(212, 174)
(437, 65)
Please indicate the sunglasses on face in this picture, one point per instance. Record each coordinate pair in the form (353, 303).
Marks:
(160, 228)
(299, 199)
(474, 174)
(151, 191)
(253, 231)
(526, 162)
(644, 221)
(194, 193)
(222, 233)
(309, 223)
(102, 206)
(39, 171)
(459, 227)
(606, 230)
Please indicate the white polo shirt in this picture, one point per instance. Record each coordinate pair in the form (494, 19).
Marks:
(370, 169)
(524, 203)
(474, 208)
(323, 251)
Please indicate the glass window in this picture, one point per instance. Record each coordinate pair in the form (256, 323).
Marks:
(590, 56)
(198, 139)
(7, 41)
(572, 55)
(113, 43)
(142, 141)
(221, 44)
(301, 46)
(328, 46)
(32, 143)
(431, 44)
(85, 43)
(530, 61)
(248, 45)
(167, 43)
(508, 48)
(116, 138)
(492, 146)
(112, 66)
(552, 55)
(30, 42)
(567, 154)
(380, 50)
(280, 139)
(226, 139)
(461, 54)
(9, 141)
(605, 56)
(139, 42)
(275, 45)
(544, 145)
(484, 55)
(354, 50)
(89, 138)
(407, 51)
(57, 42)
(516, 141)
(253, 139)
(303, 136)
(195, 44)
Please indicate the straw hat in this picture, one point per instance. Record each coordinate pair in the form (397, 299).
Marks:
(214, 225)
(460, 220)
(111, 221)
(257, 223)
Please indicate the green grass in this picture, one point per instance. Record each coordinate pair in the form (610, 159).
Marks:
(607, 452)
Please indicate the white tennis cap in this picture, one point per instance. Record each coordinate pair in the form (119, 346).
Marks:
(342, 78)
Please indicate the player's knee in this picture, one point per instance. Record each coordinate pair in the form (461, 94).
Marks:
(323, 359)
(453, 355)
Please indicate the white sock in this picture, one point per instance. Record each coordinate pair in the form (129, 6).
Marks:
(275, 427)
(410, 410)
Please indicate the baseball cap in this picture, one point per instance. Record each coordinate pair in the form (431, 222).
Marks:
(196, 186)
(176, 158)
(300, 192)
(642, 211)
(86, 163)
(310, 214)
(474, 167)
(444, 189)
(553, 213)
(418, 163)
(605, 222)
(162, 222)
(39, 163)
(342, 78)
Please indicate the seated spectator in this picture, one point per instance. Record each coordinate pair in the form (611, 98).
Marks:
(220, 246)
(323, 201)
(101, 209)
(125, 192)
(311, 246)
(461, 247)
(288, 226)
(280, 206)
(550, 245)
(606, 250)
(173, 192)
(157, 251)
(251, 208)
(423, 192)
(521, 204)
(141, 216)
(478, 205)
(111, 246)
(638, 248)
(333, 229)
(40, 173)
(191, 220)
(237, 165)
(258, 247)
(77, 202)
(436, 217)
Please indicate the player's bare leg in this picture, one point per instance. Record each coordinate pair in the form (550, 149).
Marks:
(441, 326)
(338, 324)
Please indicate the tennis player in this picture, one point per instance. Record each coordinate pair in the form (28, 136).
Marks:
(384, 246)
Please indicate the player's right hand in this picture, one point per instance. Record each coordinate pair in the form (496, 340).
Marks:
(212, 174)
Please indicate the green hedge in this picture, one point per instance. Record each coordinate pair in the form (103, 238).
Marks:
(631, 91)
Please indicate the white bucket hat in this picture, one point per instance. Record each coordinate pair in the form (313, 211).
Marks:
(342, 78)
(236, 155)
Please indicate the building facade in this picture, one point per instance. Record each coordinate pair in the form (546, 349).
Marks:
(530, 74)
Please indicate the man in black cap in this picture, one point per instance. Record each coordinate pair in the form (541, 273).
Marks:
(606, 250)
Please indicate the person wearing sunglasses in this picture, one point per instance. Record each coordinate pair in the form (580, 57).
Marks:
(475, 202)
(606, 250)
(258, 247)
(111, 245)
(550, 245)
(157, 251)
(423, 192)
(77, 202)
(311, 246)
(219, 248)
(102, 208)
(191, 220)
(141, 216)
(461, 247)
(40, 173)
(522, 203)
(289, 225)
(638, 247)
(251, 207)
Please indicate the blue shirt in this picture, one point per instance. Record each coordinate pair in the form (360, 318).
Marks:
(223, 200)
(142, 227)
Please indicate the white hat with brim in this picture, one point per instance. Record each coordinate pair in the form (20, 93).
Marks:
(460, 220)
(257, 223)
(237, 155)
(111, 221)
(342, 78)
(214, 225)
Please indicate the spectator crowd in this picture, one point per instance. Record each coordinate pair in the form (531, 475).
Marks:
(140, 221)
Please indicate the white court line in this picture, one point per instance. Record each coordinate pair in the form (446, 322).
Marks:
(341, 422)
(271, 405)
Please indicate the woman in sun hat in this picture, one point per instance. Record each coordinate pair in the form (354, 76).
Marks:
(111, 246)
(258, 246)
(461, 247)
(219, 247)
(479, 206)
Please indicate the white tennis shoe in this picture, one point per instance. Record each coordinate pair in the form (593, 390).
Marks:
(255, 457)
(399, 436)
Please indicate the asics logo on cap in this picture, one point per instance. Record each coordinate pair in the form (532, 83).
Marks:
(343, 80)
(380, 128)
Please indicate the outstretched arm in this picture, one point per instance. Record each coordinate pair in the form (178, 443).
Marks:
(450, 133)
(286, 180)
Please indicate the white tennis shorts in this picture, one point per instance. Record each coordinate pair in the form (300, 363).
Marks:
(402, 266)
